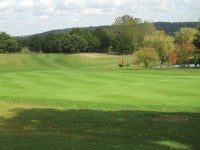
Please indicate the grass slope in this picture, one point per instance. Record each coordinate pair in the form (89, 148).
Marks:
(85, 101)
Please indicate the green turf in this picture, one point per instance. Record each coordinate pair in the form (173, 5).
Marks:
(56, 101)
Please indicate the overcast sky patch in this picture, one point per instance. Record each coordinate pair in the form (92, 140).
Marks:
(24, 17)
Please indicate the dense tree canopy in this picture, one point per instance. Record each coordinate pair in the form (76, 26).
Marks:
(162, 43)
(105, 37)
(144, 29)
(134, 29)
(74, 44)
(23, 41)
(123, 44)
(127, 25)
(185, 35)
(92, 42)
(185, 52)
(8, 44)
(36, 43)
(52, 43)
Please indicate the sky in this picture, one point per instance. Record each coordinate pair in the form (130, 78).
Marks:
(25, 17)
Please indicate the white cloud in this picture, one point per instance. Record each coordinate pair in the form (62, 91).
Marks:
(6, 4)
(45, 3)
(19, 17)
(24, 5)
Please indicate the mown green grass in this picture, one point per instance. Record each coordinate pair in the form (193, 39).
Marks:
(56, 101)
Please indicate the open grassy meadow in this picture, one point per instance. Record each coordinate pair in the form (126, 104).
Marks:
(85, 101)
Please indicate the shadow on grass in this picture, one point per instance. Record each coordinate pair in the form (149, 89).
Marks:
(91, 129)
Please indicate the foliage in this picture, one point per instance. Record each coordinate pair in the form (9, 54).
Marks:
(23, 41)
(36, 43)
(134, 28)
(197, 45)
(162, 43)
(52, 43)
(173, 57)
(185, 35)
(123, 44)
(173, 27)
(8, 44)
(126, 27)
(184, 52)
(143, 30)
(197, 41)
(105, 37)
(146, 56)
(93, 42)
(197, 38)
(74, 44)
(169, 27)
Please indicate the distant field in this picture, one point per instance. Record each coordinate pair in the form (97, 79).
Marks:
(85, 101)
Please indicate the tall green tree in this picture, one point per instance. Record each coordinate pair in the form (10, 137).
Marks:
(23, 41)
(127, 25)
(105, 37)
(144, 29)
(93, 42)
(36, 43)
(74, 44)
(123, 44)
(185, 35)
(52, 43)
(8, 44)
(162, 43)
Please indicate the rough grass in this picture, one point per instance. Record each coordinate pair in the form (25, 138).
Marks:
(85, 101)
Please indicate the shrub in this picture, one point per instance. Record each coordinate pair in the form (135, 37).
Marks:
(146, 56)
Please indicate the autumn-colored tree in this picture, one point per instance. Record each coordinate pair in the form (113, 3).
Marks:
(173, 56)
(185, 52)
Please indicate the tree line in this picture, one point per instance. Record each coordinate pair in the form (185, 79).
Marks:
(123, 37)
(127, 35)
(173, 27)
(169, 27)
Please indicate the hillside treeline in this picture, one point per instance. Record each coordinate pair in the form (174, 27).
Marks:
(169, 27)
(173, 27)
(127, 35)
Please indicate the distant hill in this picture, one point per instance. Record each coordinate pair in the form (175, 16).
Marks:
(172, 27)
(169, 27)
(69, 29)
